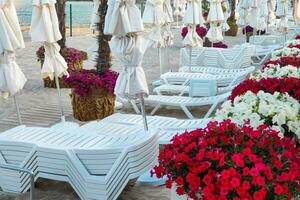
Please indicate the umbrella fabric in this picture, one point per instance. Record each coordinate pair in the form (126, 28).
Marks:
(224, 25)
(54, 62)
(154, 13)
(12, 79)
(95, 17)
(281, 12)
(281, 8)
(214, 33)
(254, 19)
(296, 12)
(44, 22)
(263, 15)
(167, 8)
(122, 17)
(179, 7)
(192, 39)
(193, 14)
(271, 12)
(215, 11)
(45, 28)
(129, 51)
(242, 8)
(215, 16)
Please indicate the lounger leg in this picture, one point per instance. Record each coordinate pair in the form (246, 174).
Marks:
(155, 109)
(135, 107)
(210, 111)
(187, 112)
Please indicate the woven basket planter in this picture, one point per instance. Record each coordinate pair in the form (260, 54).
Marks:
(233, 31)
(97, 106)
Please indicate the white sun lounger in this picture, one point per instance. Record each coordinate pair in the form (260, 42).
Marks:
(267, 40)
(97, 164)
(231, 58)
(225, 81)
(185, 102)
(167, 126)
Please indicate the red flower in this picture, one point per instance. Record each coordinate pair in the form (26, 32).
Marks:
(235, 182)
(179, 191)
(169, 183)
(278, 190)
(238, 159)
(254, 172)
(297, 37)
(179, 181)
(246, 171)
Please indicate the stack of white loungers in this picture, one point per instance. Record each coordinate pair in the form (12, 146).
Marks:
(97, 163)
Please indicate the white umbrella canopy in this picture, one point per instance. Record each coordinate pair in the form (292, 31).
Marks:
(193, 17)
(179, 6)
(44, 28)
(12, 79)
(215, 16)
(296, 12)
(132, 79)
(243, 11)
(263, 15)
(123, 21)
(224, 25)
(271, 12)
(281, 12)
(95, 17)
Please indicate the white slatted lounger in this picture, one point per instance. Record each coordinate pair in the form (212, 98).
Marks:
(267, 40)
(168, 126)
(225, 82)
(97, 165)
(231, 58)
(185, 102)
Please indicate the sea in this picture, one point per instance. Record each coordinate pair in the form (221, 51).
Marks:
(81, 13)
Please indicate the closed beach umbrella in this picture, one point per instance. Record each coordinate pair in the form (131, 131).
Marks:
(224, 25)
(296, 12)
(193, 17)
(271, 12)
(128, 47)
(263, 15)
(95, 17)
(281, 12)
(180, 6)
(44, 28)
(12, 79)
(254, 16)
(215, 16)
(243, 11)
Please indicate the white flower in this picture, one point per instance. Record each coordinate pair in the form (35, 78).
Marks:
(273, 71)
(285, 52)
(259, 108)
(291, 42)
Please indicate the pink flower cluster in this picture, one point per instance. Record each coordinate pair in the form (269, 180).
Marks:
(86, 82)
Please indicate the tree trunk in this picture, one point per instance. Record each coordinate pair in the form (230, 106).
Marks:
(104, 57)
(60, 9)
(232, 8)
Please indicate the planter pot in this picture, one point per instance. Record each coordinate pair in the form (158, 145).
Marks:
(233, 31)
(175, 196)
(97, 106)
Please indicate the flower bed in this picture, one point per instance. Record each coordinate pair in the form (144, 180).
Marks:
(284, 61)
(278, 110)
(289, 52)
(276, 71)
(224, 161)
(270, 85)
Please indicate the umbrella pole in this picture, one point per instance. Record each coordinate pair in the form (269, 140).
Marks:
(18, 110)
(190, 68)
(168, 56)
(63, 119)
(143, 112)
(160, 61)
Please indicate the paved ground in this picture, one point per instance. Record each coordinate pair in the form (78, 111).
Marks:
(34, 98)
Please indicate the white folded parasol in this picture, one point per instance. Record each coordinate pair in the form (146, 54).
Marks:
(224, 25)
(215, 16)
(296, 12)
(271, 12)
(12, 79)
(44, 28)
(123, 21)
(281, 12)
(95, 17)
(243, 11)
